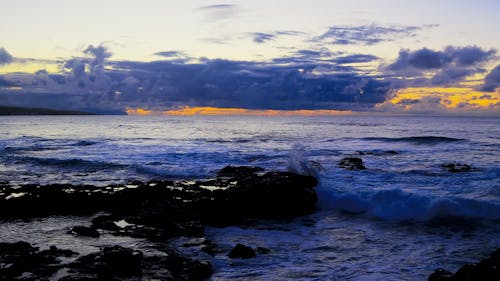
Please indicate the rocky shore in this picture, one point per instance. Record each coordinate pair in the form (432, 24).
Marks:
(157, 211)
(487, 269)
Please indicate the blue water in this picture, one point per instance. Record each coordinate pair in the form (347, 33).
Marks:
(390, 221)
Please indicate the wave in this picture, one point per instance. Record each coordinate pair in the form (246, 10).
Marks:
(417, 139)
(398, 205)
(75, 163)
(238, 140)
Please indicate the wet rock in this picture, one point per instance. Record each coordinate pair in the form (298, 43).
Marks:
(17, 248)
(238, 171)
(85, 231)
(157, 211)
(111, 262)
(237, 193)
(351, 163)
(378, 152)
(262, 250)
(105, 222)
(204, 245)
(456, 167)
(241, 251)
(22, 259)
(486, 270)
(54, 251)
(173, 266)
(440, 275)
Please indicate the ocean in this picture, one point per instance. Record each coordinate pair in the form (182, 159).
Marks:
(401, 218)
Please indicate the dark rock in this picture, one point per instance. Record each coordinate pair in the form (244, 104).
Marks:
(54, 251)
(377, 152)
(456, 167)
(238, 171)
(486, 270)
(179, 267)
(17, 248)
(85, 231)
(20, 257)
(352, 163)
(110, 262)
(204, 245)
(262, 250)
(440, 275)
(157, 211)
(105, 222)
(241, 251)
(240, 193)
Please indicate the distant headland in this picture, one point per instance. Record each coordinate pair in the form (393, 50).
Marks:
(14, 110)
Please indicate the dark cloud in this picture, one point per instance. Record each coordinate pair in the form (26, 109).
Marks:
(6, 83)
(324, 57)
(445, 67)
(259, 37)
(170, 54)
(356, 58)
(367, 34)
(492, 80)
(408, 101)
(263, 37)
(429, 59)
(5, 57)
(99, 54)
(296, 84)
(469, 56)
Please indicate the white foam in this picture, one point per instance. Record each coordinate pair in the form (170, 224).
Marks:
(298, 163)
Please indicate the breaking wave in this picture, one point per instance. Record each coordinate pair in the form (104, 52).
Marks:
(398, 205)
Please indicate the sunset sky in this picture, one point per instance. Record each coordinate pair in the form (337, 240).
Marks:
(256, 57)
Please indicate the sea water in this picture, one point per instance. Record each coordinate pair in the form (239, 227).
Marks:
(399, 219)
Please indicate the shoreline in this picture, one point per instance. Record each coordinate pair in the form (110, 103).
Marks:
(155, 211)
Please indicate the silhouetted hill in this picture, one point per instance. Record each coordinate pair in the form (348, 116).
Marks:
(14, 110)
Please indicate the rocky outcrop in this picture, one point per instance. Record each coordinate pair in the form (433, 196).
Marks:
(456, 167)
(21, 259)
(351, 163)
(85, 231)
(237, 193)
(155, 210)
(241, 251)
(486, 270)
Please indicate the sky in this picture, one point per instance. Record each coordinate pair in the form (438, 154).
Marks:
(252, 57)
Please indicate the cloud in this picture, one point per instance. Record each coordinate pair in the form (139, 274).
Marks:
(218, 12)
(308, 79)
(5, 57)
(444, 67)
(492, 80)
(262, 37)
(259, 37)
(6, 83)
(170, 54)
(367, 34)
(429, 59)
(217, 7)
(356, 58)
(100, 54)
(295, 85)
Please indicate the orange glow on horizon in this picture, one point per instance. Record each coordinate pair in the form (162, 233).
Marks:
(213, 111)
(452, 99)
